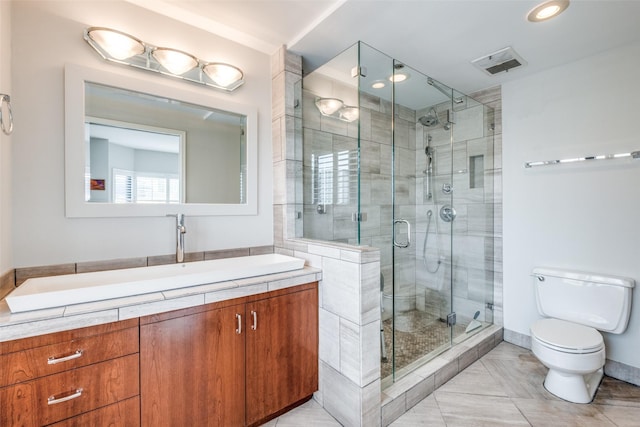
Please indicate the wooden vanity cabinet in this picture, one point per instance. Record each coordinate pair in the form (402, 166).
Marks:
(282, 353)
(71, 377)
(192, 369)
(234, 363)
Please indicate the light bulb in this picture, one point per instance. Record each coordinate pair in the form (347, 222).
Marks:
(349, 113)
(328, 106)
(223, 74)
(175, 61)
(116, 43)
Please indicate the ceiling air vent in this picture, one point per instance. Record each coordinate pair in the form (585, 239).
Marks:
(497, 62)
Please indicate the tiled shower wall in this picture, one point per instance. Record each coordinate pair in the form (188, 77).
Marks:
(467, 258)
(476, 199)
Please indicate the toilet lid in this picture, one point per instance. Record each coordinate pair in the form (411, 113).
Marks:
(566, 335)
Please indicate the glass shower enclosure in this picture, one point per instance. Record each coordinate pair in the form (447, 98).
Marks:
(395, 159)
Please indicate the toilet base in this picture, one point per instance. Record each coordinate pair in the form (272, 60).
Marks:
(574, 388)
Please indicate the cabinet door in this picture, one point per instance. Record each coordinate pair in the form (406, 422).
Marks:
(282, 353)
(192, 370)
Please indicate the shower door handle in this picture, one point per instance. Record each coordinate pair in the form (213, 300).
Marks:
(408, 242)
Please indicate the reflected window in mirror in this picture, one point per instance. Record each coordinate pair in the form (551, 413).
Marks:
(131, 163)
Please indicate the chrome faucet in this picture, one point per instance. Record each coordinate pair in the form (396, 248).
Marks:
(180, 232)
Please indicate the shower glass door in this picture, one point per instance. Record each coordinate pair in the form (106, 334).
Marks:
(423, 215)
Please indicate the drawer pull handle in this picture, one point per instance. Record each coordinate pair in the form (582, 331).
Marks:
(254, 325)
(239, 328)
(52, 400)
(53, 360)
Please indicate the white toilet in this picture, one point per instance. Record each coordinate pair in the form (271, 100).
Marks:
(576, 305)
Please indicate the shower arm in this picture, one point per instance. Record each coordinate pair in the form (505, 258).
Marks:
(443, 91)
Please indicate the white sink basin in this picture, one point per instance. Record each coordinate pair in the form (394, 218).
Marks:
(57, 291)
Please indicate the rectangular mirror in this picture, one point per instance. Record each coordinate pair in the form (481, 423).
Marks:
(136, 148)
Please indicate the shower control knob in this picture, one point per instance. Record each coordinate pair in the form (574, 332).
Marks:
(447, 188)
(447, 213)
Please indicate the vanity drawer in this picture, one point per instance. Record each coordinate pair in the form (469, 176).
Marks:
(60, 396)
(29, 364)
(121, 414)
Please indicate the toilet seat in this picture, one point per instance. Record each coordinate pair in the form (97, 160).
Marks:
(567, 337)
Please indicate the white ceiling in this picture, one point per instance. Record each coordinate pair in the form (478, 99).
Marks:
(437, 37)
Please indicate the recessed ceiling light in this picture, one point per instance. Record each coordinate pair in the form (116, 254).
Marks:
(378, 84)
(547, 10)
(398, 77)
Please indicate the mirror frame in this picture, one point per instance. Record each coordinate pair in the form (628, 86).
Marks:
(75, 77)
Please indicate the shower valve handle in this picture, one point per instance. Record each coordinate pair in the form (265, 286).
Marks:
(448, 213)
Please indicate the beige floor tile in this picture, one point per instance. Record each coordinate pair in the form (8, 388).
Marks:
(475, 379)
(425, 413)
(310, 414)
(504, 350)
(615, 392)
(521, 378)
(545, 413)
(621, 416)
(468, 410)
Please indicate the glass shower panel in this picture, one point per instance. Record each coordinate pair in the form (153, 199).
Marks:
(422, 162)
(473, 228)
(330, 150)
(376, 199)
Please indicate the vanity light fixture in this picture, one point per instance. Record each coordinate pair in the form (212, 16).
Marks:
(547, 10)
(336, 108)
(122, 48)
(175, 61)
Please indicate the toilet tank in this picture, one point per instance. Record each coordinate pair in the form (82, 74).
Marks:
(596, 300)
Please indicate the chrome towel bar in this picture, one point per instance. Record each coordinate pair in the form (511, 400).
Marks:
(632, 154)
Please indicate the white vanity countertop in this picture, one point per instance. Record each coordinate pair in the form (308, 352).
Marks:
(38, 322)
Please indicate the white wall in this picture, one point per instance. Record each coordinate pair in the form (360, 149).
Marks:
(48, 34)
(582, 216)
(6, 259)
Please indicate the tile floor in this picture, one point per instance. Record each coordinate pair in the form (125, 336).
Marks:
(503, 388)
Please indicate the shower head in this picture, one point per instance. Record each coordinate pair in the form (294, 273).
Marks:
(430, 119)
